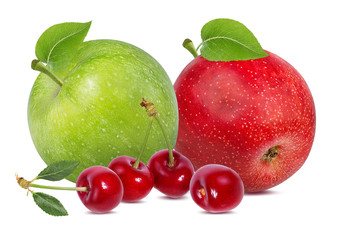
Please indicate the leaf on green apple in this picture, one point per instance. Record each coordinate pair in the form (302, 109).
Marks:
(59, 43)
(49, 204)
(229, 40)
(58, 170)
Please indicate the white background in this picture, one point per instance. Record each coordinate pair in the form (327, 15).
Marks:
(302, 32)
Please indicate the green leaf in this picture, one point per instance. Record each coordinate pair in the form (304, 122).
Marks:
(229, 40)
(58, 44)
(58, 170)
(49, 204)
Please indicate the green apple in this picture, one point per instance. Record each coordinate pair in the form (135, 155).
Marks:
(85, 104)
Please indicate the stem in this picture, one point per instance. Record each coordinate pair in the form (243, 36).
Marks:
(171, 156)
(188, 44)
(39, 66)
(80, 189)
(198, 47)
(136, 164)
(151, 111)
(27, 184)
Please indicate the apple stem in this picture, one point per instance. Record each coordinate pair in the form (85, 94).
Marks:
(188, 44)
(39, 66)
(151, 111)
(137, 163)
(28, 184)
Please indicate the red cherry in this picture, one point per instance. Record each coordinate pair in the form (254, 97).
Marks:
(216, 188)
(172, 180)
(105, 189)
(137, 181)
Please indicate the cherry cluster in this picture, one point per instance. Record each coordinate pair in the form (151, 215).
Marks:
(215, 188)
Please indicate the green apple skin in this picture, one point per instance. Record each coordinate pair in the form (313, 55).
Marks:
(96, 115)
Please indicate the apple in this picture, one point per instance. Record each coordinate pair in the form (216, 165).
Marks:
(243, 107)
(254, 116)
(88, 110)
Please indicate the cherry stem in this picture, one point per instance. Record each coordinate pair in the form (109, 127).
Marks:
(137, 163)
(39, 66)
(27, 184)
(171, 156)
(151, 111)
(188, 44)
(80, 189)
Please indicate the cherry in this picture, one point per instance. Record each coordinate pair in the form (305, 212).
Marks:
(171, 177)
(216, 188)
(136, 177)
(137, 181)
(172, 171)
(104, 189)
(99, 188)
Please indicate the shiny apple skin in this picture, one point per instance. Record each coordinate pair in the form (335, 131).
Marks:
(223, 189)
(232, 113)
(137, 182)
(172, 181)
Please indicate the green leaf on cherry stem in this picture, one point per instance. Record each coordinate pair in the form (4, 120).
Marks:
(49, 204)
(59, 43)
(58, 170)
(229, 40)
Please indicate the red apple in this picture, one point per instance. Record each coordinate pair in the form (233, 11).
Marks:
(254, 116)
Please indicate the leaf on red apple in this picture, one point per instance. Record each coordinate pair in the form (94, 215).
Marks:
(59, 43)
(229, 40)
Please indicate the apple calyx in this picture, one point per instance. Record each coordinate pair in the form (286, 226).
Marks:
(152, 113)
(39, 66)
(271, 154)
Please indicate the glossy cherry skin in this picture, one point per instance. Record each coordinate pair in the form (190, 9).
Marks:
(216, 188)
(105, 189)
(174, 180)
(137, 182)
